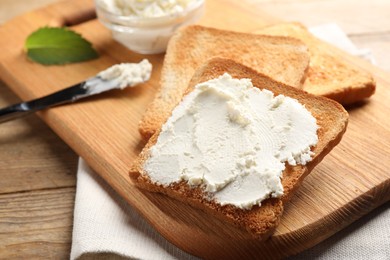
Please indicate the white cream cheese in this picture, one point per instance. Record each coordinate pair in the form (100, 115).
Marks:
(128, 74)
(233, 140)
(145, 26)
(145, 8)
(119, 76)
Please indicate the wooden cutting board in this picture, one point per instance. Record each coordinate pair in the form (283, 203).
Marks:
(351, 181)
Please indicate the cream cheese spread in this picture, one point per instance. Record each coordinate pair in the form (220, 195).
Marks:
(128, 74)
(145, 8)
(233, 140)
(145, 26)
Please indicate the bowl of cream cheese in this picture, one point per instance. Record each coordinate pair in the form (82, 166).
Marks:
(145, 26)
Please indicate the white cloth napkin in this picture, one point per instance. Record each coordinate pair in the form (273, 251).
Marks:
(105, 225)
(333, 34)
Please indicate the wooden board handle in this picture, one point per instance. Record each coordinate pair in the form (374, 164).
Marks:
(79, 17)
(68, 13)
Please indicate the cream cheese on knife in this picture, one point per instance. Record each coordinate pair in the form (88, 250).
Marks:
(123, 75)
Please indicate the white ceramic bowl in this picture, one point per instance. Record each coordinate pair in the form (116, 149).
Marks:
(147, 35)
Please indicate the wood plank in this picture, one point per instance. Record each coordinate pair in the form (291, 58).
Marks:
(33, 158)
(36, 224)
(12, 8)
(32, 155)
(348, 183)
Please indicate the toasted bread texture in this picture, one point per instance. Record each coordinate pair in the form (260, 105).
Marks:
(282, 58)
(329, 74)
(260, 221)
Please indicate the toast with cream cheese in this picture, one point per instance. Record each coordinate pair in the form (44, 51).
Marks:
(262, 217)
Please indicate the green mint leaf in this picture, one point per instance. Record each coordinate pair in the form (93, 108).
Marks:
(55, 45)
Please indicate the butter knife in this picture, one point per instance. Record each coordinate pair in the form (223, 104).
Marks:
(116, 77)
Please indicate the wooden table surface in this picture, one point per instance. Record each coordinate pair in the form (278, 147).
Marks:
(38, 170)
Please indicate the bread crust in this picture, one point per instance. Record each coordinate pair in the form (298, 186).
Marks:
(284, 58)
(329, 74)
(332, 120)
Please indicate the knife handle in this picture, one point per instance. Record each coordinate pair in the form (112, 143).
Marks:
(14, 111)
(92, 86)
(57, 98)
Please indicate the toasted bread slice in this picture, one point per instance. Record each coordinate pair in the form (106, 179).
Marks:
(282, 58)
(260, 221)
(329, 75)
